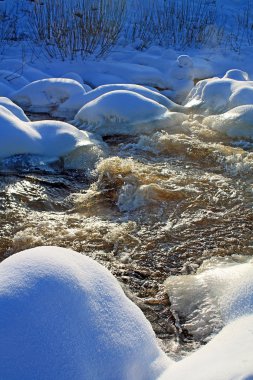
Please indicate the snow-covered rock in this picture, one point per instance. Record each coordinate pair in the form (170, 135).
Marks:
(237, 122)
(126, 112)
(52, 139)
(141, 90)
(218, 95)
(12, 79)
(16, 110)
(227, 357)
(179, 78)
(45, 95)
(64, 316)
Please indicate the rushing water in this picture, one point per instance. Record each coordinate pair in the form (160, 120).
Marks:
(157, 206)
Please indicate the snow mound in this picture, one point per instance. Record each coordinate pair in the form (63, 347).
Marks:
(64, 316)
(16, 110)
(51, 139)
(179, 78)
(217, 294)
(218, 95)
(227, 357)
(141, 90)
(237, 122)
(126, 112)
(46, 95)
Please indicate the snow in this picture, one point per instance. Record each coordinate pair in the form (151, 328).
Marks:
(46, 138)
(218, 95)
(16, 110)
(141, 90)
(46, 95)
(237, 122)
(126, 112)
(227, 357)
(64, 316)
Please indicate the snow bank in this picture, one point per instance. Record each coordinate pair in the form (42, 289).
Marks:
(64, 316)
(126, 112)
(237, 122)
(227, 357)
(52, 139)
(46, 95)
(218, 95)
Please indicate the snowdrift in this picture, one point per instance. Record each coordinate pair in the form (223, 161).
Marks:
(127, 113)
(237, 122)
(218, 95)
(51, 139)
(64, 316)
(46, 95)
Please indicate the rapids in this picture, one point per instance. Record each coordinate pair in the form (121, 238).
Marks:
(156, 206)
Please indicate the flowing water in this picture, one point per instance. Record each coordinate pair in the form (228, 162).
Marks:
(157, 206)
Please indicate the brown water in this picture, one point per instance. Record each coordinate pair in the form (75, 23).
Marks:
(157, 206)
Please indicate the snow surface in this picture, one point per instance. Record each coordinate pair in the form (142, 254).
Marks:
(45, 95)
(47, 138)
(227, 357)
(218, 95)
(126, 112)
(64, 316)
(237, 122)
(141, 90)
(16, 110)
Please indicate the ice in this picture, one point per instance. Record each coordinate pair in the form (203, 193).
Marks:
(64, 316)
(227, 357)
(218, 293)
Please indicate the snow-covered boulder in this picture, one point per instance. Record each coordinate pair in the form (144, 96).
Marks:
(46, 95)
(141, 90)
(237, 122)
(126, 112)
(16, 110)
(64, 316)
(52, 139)
(218, 95)
(77, 78)
(227, 357)
(179, 78)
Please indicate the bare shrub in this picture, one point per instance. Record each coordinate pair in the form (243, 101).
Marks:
(176, 23)
(78, 29)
